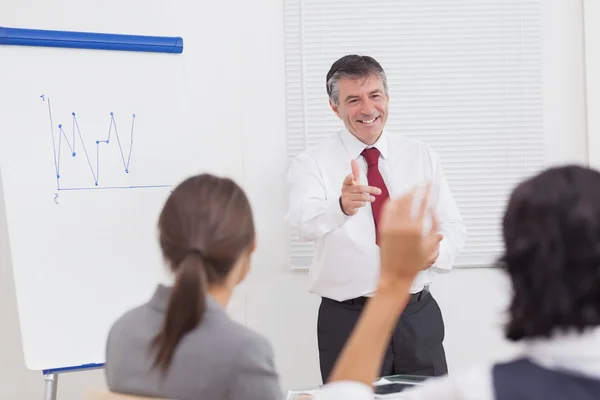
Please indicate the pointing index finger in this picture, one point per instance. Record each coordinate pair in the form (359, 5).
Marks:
(355, 170)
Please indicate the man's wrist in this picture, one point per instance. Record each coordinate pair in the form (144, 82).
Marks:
(342, 207)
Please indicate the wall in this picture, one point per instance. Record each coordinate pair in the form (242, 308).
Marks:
(592, 66)
(237, 69)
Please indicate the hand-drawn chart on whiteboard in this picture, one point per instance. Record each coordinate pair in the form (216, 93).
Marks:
(104, 157)
(91, 143)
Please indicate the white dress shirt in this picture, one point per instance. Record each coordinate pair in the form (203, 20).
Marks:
(346, 260)
(573, 352)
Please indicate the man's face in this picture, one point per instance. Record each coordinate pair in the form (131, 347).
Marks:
(363, 106)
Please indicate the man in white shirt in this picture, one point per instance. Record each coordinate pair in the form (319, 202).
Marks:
(337, 190)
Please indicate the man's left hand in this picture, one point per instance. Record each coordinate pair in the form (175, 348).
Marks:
(436, 252)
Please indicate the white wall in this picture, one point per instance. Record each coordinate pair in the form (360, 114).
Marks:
(592, 66)
(237, 63)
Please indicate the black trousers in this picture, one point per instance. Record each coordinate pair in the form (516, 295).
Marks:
(415, 349)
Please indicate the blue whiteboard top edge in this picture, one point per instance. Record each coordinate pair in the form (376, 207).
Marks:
(88, 40)
(71, 369)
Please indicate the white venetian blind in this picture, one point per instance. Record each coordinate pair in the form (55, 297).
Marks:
(464, 76)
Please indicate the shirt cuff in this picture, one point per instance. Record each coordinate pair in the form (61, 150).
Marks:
(334, 216)
(445, 260)
(347, 390)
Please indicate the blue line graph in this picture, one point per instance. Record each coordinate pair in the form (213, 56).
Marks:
(71, 142)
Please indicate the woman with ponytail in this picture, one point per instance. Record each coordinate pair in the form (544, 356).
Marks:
(182, 345)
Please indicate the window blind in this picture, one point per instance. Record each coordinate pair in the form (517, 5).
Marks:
(464, 76)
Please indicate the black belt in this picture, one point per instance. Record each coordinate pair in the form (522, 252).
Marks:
(361, 301)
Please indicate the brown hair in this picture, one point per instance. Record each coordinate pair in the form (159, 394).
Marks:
(206, 224)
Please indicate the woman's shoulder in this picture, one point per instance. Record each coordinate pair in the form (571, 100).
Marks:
(219, 352)
(245, 345)
(252, 368)
(130, 320)
(241, 354)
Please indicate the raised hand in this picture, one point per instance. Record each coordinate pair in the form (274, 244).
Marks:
(404, 249)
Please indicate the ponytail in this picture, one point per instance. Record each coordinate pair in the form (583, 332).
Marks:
(185, 309)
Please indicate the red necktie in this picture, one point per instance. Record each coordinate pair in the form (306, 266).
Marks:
(375, 179)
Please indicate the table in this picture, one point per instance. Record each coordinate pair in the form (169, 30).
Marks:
(406, 379)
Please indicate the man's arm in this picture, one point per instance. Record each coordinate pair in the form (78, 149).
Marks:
(311, 213)
(451, 224)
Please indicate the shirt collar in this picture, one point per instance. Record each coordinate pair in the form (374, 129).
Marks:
(354, 146)
(573, 351)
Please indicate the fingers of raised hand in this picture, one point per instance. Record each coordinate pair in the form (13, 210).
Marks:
(409, 210)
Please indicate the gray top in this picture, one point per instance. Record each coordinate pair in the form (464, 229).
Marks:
(219, 359)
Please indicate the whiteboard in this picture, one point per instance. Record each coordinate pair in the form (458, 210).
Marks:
(91, 143)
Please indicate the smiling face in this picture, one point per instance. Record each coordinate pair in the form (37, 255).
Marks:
(363, 106)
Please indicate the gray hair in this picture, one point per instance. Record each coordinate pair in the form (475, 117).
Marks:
(353, 67)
